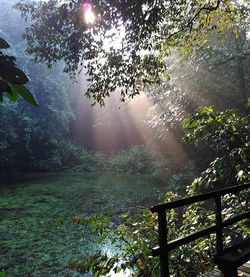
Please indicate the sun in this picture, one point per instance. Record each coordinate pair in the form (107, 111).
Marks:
(89, 15)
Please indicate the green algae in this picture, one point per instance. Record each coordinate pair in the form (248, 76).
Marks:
(38, 237)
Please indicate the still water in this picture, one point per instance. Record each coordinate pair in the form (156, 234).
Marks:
(37, 234)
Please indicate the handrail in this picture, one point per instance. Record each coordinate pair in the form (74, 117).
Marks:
(165, 246)
(198, 198)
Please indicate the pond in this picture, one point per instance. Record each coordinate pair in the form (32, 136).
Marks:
(38, 236)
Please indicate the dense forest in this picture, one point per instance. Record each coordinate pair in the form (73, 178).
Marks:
(144, 91)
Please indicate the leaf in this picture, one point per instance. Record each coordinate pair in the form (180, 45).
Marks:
(102, 238)
(7, 60)
(13, 95)
(3, 43)
(236, 33)
(4, 86)
(123, 266)
(84, 266)
(25, 93)
(13, 74)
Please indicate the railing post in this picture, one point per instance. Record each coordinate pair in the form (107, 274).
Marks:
(163, 243)
(219, 239)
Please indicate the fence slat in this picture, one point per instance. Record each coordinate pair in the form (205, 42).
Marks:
(163, 242)
(219, 239)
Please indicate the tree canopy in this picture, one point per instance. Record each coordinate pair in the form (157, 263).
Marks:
(215, 75)
(125, 46)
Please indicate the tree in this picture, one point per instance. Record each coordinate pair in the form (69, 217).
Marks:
(215, 74)
(147, 31)
(227, 135)
(32, 138)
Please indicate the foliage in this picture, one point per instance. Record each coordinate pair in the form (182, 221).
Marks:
(134, 160)
(182, 177)
(140, 160)
(168, 172)
(130, 237)
(30, 137)
(12, 79)
(148, 30)
(215, 74)
(40, 139)
(134, 235)
(227, 135)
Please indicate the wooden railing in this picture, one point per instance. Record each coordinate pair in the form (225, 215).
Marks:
(164, 246)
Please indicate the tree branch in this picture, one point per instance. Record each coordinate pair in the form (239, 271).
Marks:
(190, 23)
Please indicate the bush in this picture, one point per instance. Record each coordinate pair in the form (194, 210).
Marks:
(133, 160)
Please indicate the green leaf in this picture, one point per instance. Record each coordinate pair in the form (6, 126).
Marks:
(12, 95)
(102, 238)
(3, 44)
(245, 224)
(25, 93)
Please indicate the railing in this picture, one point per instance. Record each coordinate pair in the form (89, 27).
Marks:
(164, 246)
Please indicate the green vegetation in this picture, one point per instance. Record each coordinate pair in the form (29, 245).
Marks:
(29, 135)
(192, 60)
(225, 132)
(149, 31)
(216, 74)
(135, 236)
